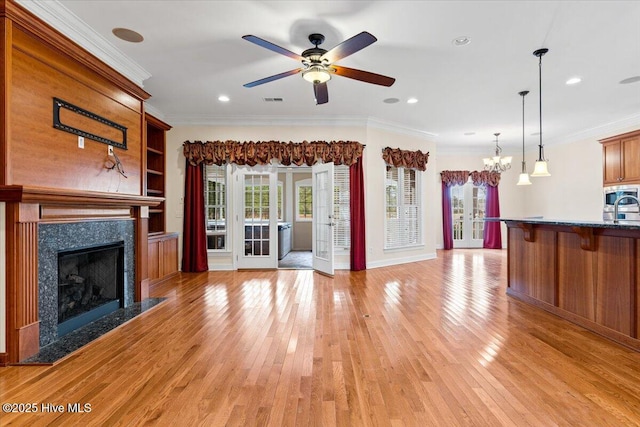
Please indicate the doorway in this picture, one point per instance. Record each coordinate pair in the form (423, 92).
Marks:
(286, 215)
(468, 204)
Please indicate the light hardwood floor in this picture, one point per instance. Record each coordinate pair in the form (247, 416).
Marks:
(434, 343)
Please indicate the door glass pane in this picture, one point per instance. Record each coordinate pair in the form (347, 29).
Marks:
(256, 215)
(457, 211)
(323, 213)
(479, 199)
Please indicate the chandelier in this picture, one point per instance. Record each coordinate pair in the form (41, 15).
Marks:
(497, 163)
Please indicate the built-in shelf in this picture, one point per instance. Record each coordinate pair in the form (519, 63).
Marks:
(155, 170)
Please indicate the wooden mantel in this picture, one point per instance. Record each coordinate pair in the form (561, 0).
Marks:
(58, 196)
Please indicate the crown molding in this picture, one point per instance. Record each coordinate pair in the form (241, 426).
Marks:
(342, 121)
(599, 132)
(400, 129)
(63, 20)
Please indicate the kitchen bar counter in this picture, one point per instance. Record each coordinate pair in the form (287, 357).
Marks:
(587, 272)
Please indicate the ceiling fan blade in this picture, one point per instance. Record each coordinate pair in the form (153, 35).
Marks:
(272, 78)
(363, 76)
(349, 46)
(273, 47)
(321, 93)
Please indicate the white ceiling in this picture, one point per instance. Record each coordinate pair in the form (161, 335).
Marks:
(193, 52)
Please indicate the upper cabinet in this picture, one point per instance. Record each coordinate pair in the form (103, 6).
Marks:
(155, 174)
(621, 158)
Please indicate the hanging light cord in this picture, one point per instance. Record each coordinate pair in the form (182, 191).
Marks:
(540, 150)
(524, 167)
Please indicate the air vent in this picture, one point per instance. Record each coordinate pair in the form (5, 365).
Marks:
(272, 99)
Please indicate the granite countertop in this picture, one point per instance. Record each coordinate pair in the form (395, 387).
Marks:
(621, 224)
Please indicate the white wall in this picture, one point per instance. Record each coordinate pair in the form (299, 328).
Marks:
(375, 140)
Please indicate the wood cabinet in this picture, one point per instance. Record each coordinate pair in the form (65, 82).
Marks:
(163, 257)
(621, 158)
(585, 273)
(155, 171)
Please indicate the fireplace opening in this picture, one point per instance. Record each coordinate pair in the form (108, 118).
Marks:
(90, 284)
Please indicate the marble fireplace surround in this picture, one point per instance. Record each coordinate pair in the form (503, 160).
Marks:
(54, 238)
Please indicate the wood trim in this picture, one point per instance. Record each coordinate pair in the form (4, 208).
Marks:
(52, 213)
(142, 253)
(154, 121)
(621, 136)
(529, 234)
(22, 280)
(5, 98)
(66, 197)
(587, 240)
(54, 39)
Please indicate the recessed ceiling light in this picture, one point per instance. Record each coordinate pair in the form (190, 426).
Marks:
(628, 80)
(223, 98)
(461, 41)
(469, 133)
(412, 100)
(391, 100)
(573, 81)
(127, 35)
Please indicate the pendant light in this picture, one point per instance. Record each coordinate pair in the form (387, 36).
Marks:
(497, 163)
(541, 164)
(523, 179)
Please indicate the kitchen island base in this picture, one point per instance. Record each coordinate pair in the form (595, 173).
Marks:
(586, 273)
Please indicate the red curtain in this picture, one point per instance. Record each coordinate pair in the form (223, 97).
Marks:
(194, 233)
(356, 204)
(492, 233)
(447, 217)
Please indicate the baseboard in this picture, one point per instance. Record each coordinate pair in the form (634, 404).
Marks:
(3, 359)
(397, 261)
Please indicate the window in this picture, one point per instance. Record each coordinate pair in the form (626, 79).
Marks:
(402, 206)
(341, 208)
(304, 200)
(215, 200)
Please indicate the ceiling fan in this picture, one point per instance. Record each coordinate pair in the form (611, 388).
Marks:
(318, 64)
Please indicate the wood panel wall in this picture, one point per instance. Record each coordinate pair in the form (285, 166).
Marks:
(38, 74)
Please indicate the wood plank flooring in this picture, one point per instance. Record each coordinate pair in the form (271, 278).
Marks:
(434, 343)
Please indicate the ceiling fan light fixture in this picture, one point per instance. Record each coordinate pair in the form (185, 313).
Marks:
(316, 74)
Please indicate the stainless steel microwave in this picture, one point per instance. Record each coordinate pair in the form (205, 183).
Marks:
(627, 208)
(614, 192)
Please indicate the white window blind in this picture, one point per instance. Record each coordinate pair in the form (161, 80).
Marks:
(402, 205)
(215, 199)
(341, 208)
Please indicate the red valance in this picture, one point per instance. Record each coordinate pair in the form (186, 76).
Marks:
(485, 178)
(405, 158)
(454, 177)
(262, 152)
(478, 177)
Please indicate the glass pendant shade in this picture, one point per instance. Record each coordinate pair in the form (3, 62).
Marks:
(540, 169)
(523, 179)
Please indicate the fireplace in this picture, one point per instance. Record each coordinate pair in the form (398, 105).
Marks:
(90, 284)
(85, 271)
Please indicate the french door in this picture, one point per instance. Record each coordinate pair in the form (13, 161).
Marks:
(256, 218)
(323, 220)
(468, 211)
